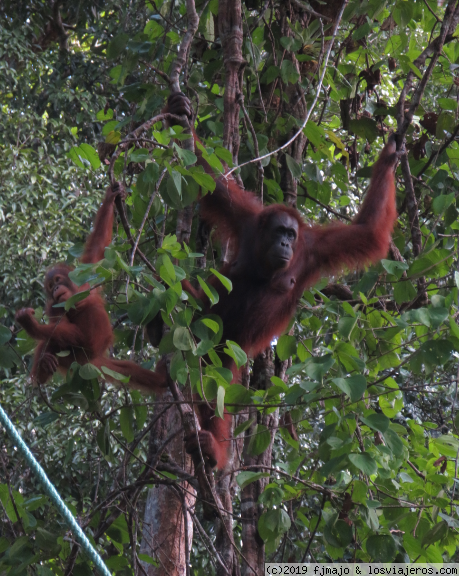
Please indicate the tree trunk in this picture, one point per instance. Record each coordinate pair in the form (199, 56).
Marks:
(164, 530)
(231, 36)
(253, 547)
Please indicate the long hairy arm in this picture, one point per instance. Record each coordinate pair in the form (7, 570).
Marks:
(101, 236)
(366, 240)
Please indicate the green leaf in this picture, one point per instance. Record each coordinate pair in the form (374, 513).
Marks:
(381, 548)
(115, 375)
(390, 407)
(8, 358)
(83, 274)
(454, 327)
(209, 291)
(143, 308)
(354, 386)
(365, 128)
(186, 156)
(127, 422)
(339, 535)
(237, 394)
(5, 334)
(273, 523)
(211, 324)
(225, 155)
(46, 540)
(445, 122)
(245, 478)
(346, 325)
(394, 267)
(45, 419)
(364, 462)
(204, 180)
(171, 298)
(317, 367)
(153, 30)
(293, 166)
(288, 72)
(84, 156)
(147, 559)
(89, 371)
(394, 443)
(140, 409)
(404, 291)
(236, 353)
(260, 440)
(223, 279)
(115, 563)
(452, 522)
(447, 445)
(286, 347)
(103, 116)
(447, 103)
(76, 250)
(220, 405)
(117, 46)
(73, 300)
(215, 163)
(204, 347)
(103, 438)
(270, 75)
(182, 339)
(441, 203)
(139, 155)
(315, 134)
(415, 69)
(109, 127)
(376, 421)
(166, 261)
(436, 352)
(244, 426)
(436, 533)
(118, 530)
(362, 31)
(113, 137)
(4, 545)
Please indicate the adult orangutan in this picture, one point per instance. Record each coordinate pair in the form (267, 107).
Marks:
(85, 331)
(276, 257)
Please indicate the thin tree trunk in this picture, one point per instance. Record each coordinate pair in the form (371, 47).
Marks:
(253, 546)
(231, 36)
(164, 530)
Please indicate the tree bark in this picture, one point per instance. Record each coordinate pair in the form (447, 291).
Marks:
(253, 546)
(231, 36)
(164, 530)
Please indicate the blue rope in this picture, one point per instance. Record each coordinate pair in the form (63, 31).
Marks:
(52, 493)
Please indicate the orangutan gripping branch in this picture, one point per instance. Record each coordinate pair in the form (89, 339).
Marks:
(276, 257)
(85, 331)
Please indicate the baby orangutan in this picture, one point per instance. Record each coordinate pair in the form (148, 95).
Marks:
(85, 330)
